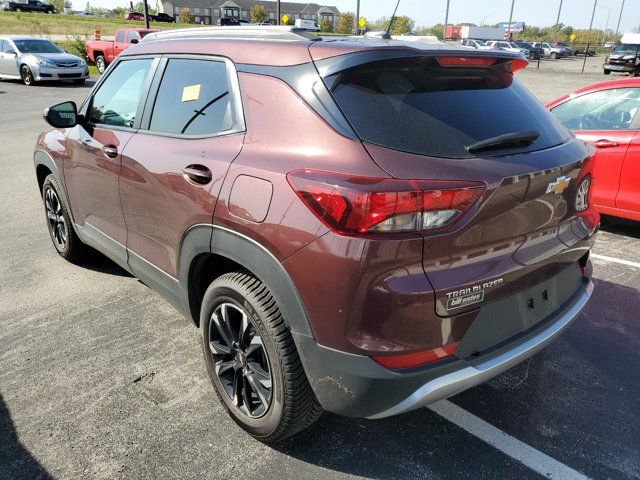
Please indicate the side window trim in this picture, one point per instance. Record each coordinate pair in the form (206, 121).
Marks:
(236, 99)
(86, 105)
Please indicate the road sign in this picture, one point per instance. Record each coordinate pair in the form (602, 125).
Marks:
(362, 22)
(573, 36)
(515, 26)
(285, 18)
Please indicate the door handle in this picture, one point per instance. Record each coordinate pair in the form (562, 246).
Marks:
(197, 173)
(604, 143)
(110, 151)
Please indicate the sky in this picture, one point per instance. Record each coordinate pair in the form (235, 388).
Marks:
(576, 13)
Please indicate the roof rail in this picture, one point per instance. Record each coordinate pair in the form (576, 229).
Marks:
(249, 32)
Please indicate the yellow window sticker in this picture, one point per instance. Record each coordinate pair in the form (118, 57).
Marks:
(191, 93)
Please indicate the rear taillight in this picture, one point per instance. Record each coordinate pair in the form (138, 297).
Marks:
(409, 360)
(353, 205)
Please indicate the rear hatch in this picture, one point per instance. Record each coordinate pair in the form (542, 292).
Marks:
(418, 114)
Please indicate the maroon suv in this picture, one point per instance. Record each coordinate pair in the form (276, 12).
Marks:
(358, 226)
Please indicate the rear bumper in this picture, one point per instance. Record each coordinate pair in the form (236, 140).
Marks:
(355, 385)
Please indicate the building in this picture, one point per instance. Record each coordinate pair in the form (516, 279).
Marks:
(208, 12)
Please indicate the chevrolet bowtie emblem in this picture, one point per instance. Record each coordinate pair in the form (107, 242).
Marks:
(559, 185)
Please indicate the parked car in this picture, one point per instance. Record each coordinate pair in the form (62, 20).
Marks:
(35, 6)
(508, 46)
(86, 14)
(476, 44)
(103, 52)
(624, 58)
(608, 116)
(584, 50)
(134, 16)
(163, 17)
(569, 52)
(533, 53)
(551, 50)
(37, 59)
(363, 270)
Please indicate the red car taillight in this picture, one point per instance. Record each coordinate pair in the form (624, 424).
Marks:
(353, 205)
(409, 360)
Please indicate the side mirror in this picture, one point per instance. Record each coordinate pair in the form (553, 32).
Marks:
(11, 52)
(62, 115)
(134, 41)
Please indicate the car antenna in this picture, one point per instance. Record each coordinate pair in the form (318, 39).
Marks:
(387, 34)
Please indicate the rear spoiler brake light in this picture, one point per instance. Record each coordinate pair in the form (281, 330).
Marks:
(478, 61)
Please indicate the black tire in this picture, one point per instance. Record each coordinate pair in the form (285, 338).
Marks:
(101, 64)
(292, 405)
(607, 72)
(554, 55)
(27, 76)
(65, 241)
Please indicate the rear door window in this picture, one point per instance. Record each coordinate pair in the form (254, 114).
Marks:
(120, 37)
(418, 106)
(194, 98)
(132, 36)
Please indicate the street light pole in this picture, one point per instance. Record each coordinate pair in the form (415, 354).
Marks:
(358, 18)
(446, 22)
(555, 30)
(278, 12)
(146, 13)
(593, 14)
(619, 18)
(510, 18)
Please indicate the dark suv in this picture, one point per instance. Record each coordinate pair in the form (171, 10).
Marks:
(354, 225)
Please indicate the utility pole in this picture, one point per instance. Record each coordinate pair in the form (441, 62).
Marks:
(358, 17)
(146, 13)
(446, 22)
(510, 18)
(555, 30)
(278, 13)
(593, 14)
(619, 18)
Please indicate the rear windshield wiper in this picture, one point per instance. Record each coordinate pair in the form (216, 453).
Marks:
(508, 140)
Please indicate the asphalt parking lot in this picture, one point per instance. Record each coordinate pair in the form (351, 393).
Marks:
(101, 378)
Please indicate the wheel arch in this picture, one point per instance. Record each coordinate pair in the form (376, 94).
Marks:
(45, 165)
(226, 251)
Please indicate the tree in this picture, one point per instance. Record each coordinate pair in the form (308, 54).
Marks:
(139, 7)
(402, 25)
(258, 14)
(346, 23)
(60, 5)
(185, 16)
(326, 25)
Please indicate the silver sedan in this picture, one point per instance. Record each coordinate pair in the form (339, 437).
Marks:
(36, 59)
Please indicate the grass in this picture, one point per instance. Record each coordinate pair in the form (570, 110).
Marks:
(43, 24)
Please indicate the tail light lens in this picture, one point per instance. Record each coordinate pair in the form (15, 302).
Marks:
(408, 360)
(513, 65)
(353, 205)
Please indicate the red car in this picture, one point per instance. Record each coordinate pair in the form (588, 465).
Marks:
(608, 116)
(103, 52)
(134, 16)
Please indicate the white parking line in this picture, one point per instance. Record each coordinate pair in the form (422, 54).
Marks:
(525, 454)
(616, 260)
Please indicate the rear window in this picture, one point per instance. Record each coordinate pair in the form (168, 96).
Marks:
(416, 105)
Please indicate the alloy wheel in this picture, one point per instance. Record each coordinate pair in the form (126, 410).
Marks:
(27, 77)
(240, 360)
(55, 217)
